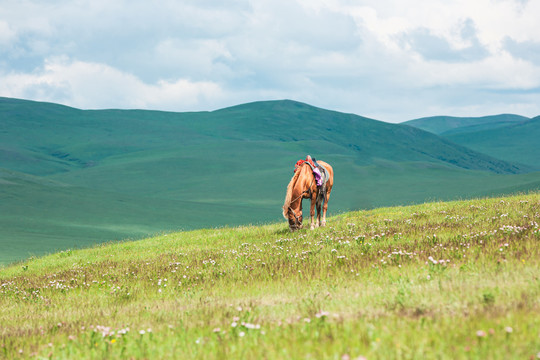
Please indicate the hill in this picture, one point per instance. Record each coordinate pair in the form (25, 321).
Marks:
(44, 139)
(518, 142)
(447, 125)
(381, 284)
(71, 177)
(506, 137)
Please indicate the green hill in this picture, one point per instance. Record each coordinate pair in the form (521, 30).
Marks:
(71, 178)
(388, 283)
(447, 125)
(506, 137)
(519, 142)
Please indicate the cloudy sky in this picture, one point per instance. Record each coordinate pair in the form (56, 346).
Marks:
(391, 60)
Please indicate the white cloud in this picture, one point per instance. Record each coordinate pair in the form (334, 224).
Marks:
(7, 35)
(92, 85)
(388, 59)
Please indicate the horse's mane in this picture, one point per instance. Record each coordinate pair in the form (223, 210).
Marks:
(288, 196)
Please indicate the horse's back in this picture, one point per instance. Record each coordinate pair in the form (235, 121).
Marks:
(327, 167)
(330, 170)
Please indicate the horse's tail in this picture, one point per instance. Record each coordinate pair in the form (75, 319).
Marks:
(288, 196)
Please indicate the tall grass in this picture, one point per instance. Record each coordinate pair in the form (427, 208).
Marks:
(455, 280)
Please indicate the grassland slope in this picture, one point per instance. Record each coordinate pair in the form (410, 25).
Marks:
(381, 284)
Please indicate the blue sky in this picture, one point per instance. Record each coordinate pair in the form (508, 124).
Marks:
(390, 60)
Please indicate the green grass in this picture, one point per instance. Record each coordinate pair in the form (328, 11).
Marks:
(455, 280)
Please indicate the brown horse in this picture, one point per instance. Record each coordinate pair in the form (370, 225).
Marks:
(304, 186)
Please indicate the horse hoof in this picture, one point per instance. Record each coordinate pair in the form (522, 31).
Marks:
(323, 223)
(312, 227)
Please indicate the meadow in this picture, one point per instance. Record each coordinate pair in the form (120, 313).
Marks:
(440, 280)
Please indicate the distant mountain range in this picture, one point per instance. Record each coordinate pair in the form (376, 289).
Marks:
(71, 177)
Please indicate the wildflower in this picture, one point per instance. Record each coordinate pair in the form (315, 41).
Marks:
(123, 331)
(251, 326)
(241, 334)
(481, 333)
(234, 324)
(142, 332)
(113, 341)
(508, 329)
(216, 330)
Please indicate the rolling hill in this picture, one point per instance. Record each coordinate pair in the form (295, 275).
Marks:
(519, 142)
(448, 125)
(506, 137)
(132, 173)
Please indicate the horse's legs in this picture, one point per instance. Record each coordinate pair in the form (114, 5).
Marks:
(319, 212)
(312, 213)
(325, 207)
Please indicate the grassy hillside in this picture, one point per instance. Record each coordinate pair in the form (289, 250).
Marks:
(40, 216)
(67, 139)
(112, 174)
(455, 280)
(506, 137)
(449, 125)
(518, 142)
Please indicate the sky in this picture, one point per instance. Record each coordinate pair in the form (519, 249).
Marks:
(391, 60)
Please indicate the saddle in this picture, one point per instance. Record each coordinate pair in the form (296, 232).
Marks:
(320, 173)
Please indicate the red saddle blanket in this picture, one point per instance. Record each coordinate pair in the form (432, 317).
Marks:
(300, 162)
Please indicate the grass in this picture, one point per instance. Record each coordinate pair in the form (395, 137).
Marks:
(456, 280)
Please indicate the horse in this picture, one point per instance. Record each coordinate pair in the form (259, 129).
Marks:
(304, 186)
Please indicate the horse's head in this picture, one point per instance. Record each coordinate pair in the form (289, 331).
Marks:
(295, 219)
